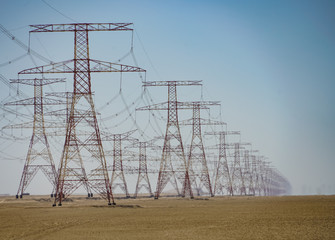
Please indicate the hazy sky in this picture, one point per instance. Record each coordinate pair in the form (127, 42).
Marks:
(271, 63)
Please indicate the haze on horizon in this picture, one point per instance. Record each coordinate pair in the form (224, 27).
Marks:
(270, 63)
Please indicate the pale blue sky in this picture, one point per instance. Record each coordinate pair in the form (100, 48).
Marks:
(271, 63)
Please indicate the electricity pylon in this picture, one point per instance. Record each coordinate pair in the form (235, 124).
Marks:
(223, 181)
(143, 178)
(237, 177)
(259, 166)
(118, 179)
(265, 171)
(39, 156)
(81, 66)
(197, 164)
(173, 165)
(247, 173)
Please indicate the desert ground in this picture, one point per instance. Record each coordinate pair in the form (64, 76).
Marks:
(283, 217)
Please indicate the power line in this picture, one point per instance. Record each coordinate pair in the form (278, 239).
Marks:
(13, 60)
(147, 55)
(56, 10)
(22, 45)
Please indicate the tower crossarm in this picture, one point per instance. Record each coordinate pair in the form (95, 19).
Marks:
(64, 112)
(69, 67)
(223, 132)
(38, 82)
(165, 106)
(169, 83)
(149, 144)
(158, 106)
(68, 95)
(123, 136)
(31, 125)
(228, 146)
(32, 101)
(81, 27)
(198, 104)
(202, 122)
(19, 126)
(205, 103)
(240, 145)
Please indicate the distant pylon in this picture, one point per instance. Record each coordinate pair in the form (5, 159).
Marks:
(265, 174)
(223, 182)
(118, 179)
(89, 144)
(39, 156)
(173, 162)
(197, 163)
(256, 169)
(143, 178)
(248, 174)
(237, 171)
(260, 176)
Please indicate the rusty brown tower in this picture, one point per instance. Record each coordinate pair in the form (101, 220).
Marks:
(196, 161)
(39, 156)
(87, 145)
(223, 182)
(173, 167)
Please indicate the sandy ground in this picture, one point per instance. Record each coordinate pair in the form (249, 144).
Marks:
(289, 217)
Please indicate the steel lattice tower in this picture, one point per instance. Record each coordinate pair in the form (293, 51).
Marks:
(260, 176)
(118, 179)
(39, 156)
(143, 178)
(197, 163)
(248, 174)
(76, 144)
(257, 175)
(222, 178)
(142, 170)
(265, 174)
(237, 171)
(173, 165)
(223, 182)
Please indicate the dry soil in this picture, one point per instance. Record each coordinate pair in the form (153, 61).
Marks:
(285, 217)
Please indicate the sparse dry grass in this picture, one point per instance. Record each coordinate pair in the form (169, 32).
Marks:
(294, 217)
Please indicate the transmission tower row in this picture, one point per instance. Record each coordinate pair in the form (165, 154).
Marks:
(240, 173)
